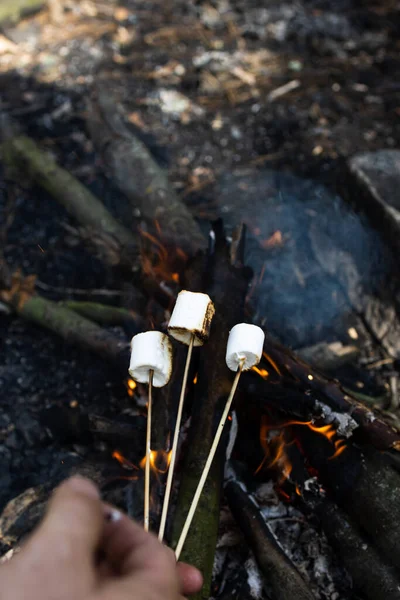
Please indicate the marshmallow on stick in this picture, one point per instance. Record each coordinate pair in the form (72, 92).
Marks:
(151, 362)
(190, 324)
(191, 317)
(244, 350)
(151, 351)
(245, 344)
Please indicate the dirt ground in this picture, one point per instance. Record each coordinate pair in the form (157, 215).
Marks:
(213, 88)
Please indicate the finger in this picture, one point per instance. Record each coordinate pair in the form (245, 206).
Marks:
(190, 578)
(76, 514)
(137, 554)
(62, 550)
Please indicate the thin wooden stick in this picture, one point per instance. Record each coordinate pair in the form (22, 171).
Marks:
(208, 464)
(175, 443)
(148, 455)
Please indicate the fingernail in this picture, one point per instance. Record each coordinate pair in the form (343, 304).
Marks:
(83, 486)
(112, 515)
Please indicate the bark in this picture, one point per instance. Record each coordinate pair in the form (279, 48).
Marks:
(304, 392)
(73, 328)
(227, 285)
(105, 314)
(279, 572)
(138, 176)
(114, 243)
(364, 485)
(371, 575)
(13, 10)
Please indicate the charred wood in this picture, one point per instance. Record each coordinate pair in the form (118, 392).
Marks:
(371, 575)
(138, 176)
(315, 395)
(227, 285)
(328, 357)
(280, 573)
(364, 485)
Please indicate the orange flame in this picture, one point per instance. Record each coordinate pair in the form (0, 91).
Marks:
(272, 363)
(124, 462)
(131, 385)
(262, 372)
(159, 461)
(158, 263)
(275, 448)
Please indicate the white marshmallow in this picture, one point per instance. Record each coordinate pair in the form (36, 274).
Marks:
(245, 342)
(192, 315)
(151, 351)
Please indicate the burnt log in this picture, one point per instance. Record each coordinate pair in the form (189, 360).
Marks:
(364, 484)
(309, 394)
(372, 576)
(226, 283)
(280, 573)
(138, 176)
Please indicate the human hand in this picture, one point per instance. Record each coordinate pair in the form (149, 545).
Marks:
(87, 550)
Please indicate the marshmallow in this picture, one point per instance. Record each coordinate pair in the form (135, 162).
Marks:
(151, 351)
(245, 342)
(192, 315)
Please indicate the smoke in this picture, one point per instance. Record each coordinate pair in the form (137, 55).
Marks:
(316, 261)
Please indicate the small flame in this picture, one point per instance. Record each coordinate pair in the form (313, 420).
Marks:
(275, 454)
(195, 379)
(272, 363)
(131, 385)
(262, 372)
(124, 462)
(158, 262)
(159, 461)
(276, 239)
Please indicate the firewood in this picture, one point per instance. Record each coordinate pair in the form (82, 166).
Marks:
(71, 326)
(280, 573)
(364, 485)
(138, 176)
(226, 284)
(371, 575)
(322, 394)
(115, 244)
(104, 314)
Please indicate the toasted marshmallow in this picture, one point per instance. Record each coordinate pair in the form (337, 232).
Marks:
(151, 351)
(192, 315)
(245, 343)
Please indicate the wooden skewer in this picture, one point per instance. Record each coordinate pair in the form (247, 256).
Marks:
(148, 455)
(175, 443)
(208, 464)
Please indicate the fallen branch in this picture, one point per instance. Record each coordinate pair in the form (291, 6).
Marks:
(115, 244)
(72, 327)
(304, 392)
(105, 314)
(279, 572)
(138, 176)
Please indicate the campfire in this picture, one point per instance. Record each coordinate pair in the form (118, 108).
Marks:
(277, 476)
